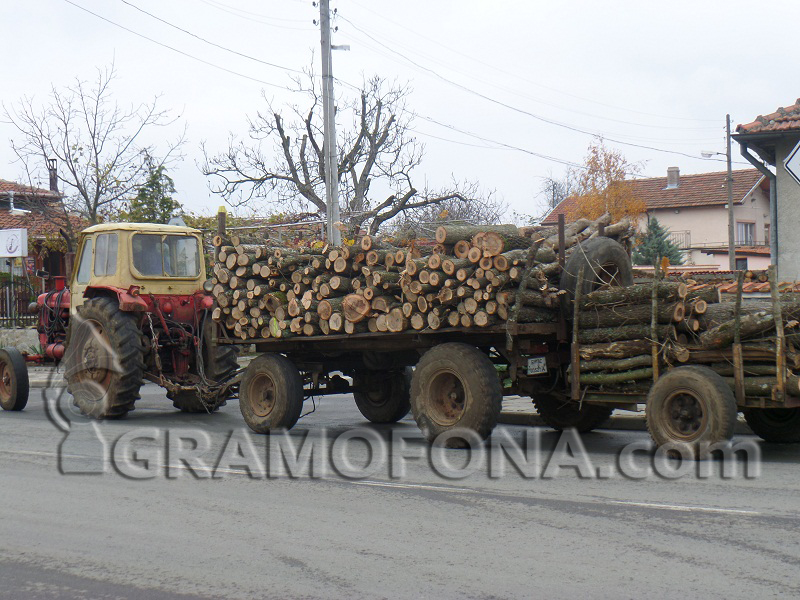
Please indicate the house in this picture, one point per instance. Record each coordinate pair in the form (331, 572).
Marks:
(40, 212)
(772, 139)
(695, 209)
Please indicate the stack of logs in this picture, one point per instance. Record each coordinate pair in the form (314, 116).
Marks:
(616, 329)
(470, 277)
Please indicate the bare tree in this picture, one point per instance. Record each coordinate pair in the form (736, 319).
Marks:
(283, 161)
(555, 190)
(424, 221)
(97, 143)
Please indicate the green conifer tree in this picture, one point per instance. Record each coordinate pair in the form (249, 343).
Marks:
(655, 245)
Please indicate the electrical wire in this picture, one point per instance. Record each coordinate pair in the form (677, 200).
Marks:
(526, 112)
(209, 42)
(517, 76)
(181, 52)
(516, 92)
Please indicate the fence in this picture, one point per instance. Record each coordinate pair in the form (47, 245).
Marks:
(14, 300)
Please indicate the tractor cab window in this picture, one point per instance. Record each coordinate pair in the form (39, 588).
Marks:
(105, 255)
(166, 255)
(84, 268)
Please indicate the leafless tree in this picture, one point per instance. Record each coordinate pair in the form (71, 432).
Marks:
(97, 143)
(283, 160)
(423, 221)
(554, 190)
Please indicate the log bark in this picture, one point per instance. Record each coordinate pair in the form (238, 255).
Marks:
(624, 332)
(450, 234)
(630, 315)
(635, 294)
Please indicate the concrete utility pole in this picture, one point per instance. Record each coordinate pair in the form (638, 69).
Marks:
(329, 126)
(731, 221)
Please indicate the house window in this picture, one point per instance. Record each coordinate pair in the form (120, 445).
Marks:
(745, 233)
(766, 234)
(741, 264)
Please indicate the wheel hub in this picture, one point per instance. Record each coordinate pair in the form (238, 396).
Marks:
(262, 395)
(5, 382)
(686, 415)
(448, 398)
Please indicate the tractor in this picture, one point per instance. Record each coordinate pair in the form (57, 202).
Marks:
(135, 310)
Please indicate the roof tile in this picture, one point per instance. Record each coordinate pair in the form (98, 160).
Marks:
(703, 189)
(785, 118)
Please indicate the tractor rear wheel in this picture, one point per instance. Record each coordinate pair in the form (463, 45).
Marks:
(104, 359)
(14, 385)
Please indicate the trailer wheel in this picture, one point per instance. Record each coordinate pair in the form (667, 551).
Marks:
(271, 394)
(104, 360)
(775, 425)
(604, 261)
(455, 386)
(691, 405)
(383, 396)
(561, 413)
(14, 384)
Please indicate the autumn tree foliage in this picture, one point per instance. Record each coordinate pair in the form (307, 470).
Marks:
(605, 186)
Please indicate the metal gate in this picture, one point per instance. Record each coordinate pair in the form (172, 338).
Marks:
(14, 300)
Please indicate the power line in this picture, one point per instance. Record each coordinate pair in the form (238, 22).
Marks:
(253, 15)
(522, 111)
(516, 92)
(209, 42)
(518, 76)
(181, 52)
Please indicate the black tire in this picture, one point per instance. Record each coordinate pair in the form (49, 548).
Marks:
(775, 425)
(455, 386)
(604, 261)
(561, 413)
(14, 384)
(271, 394)
(219, 362)
(383, 396)
(104, 359)
(691, 406)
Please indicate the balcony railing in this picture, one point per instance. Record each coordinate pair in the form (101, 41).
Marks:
(682, 239)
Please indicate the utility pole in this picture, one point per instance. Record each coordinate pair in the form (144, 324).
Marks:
(731, 222)
(329, 127)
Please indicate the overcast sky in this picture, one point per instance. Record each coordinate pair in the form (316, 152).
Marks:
(494, 83)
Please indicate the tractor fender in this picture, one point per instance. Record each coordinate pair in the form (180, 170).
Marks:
(128, 302)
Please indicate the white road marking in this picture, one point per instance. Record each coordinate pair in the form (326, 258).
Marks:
(686, 508)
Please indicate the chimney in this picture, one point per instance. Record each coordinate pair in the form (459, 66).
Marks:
(673, 177)
(53, 170)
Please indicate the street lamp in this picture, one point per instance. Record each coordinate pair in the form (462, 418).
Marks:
(727, 154)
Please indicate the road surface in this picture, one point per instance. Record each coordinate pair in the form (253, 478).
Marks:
(180, 533)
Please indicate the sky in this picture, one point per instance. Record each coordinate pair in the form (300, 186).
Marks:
(506, 93)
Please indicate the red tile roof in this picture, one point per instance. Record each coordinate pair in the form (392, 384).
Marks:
(26, 190)
(786, 118)
(703, 189)
(37, 223)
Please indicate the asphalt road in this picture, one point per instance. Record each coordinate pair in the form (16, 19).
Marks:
(177, 532)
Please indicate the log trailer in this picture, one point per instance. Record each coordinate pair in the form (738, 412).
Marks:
(609, 345)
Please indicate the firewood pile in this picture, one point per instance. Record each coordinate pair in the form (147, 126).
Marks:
(469, 277)
(625, 334)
